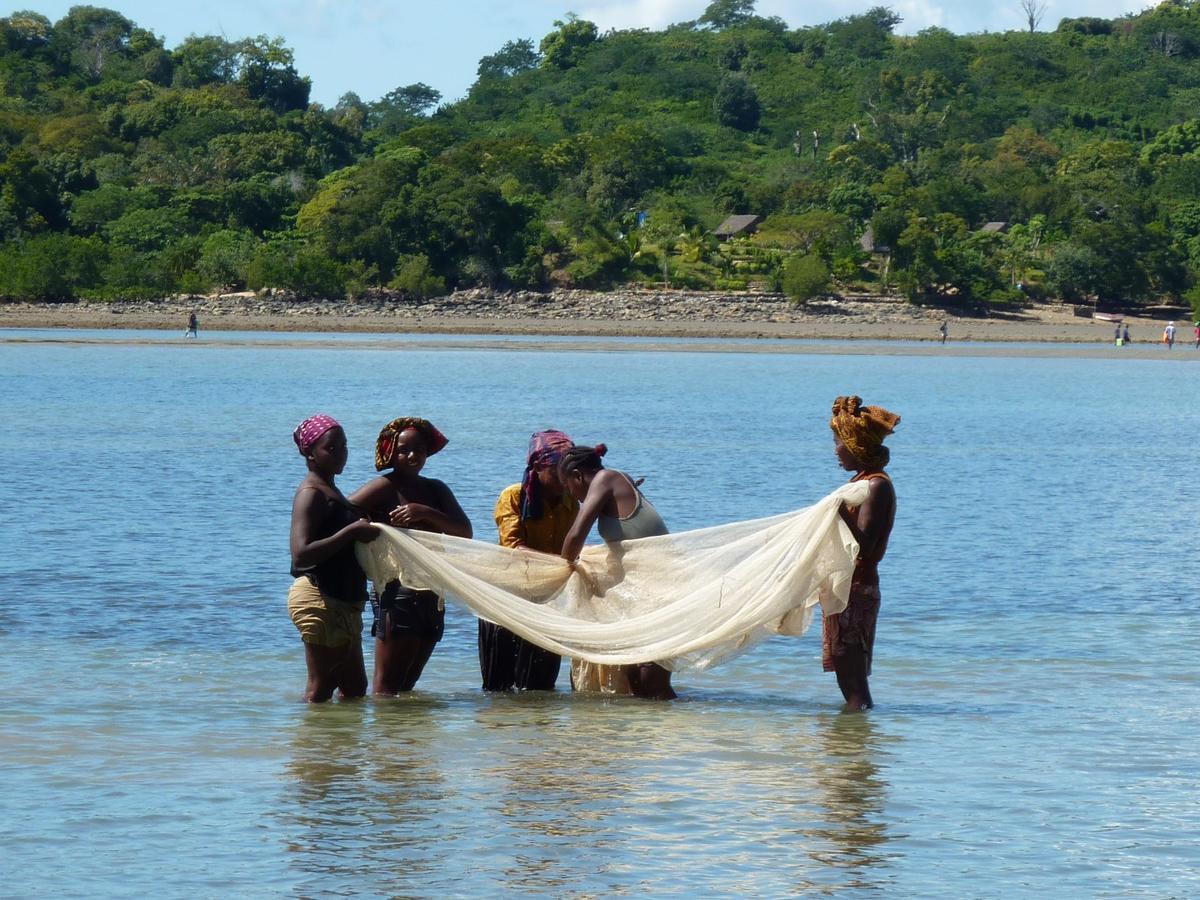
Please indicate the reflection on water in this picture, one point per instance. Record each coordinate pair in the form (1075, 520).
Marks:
(852, 794)
(544, 792)
(357, 770)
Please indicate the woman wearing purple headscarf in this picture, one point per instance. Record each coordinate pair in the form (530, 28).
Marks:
(327, 598)
(537, 513)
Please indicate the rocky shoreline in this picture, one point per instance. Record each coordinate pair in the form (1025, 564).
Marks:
(621, 313)
(481, 303)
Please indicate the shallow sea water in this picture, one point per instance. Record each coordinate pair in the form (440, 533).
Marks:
(1037, 726)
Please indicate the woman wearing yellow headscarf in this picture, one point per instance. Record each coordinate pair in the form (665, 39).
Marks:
(848, 637)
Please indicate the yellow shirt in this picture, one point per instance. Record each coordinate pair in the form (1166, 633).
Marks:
(545, 534)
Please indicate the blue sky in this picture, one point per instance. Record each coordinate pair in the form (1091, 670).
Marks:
(372, 46)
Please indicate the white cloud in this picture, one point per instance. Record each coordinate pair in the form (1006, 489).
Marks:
(642, 13)
(962, 17)
(917, 14)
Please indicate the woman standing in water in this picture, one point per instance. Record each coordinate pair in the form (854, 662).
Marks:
(610, 500)
(408, 623)
(327, 598)
(536, 514)
(848, 637)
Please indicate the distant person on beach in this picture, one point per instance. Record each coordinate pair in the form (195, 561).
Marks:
(848, 637)
(193, 326)
(407, 623)
(944, 330)
(1117, 335)
(327, 598)
(1125, 336)
(612, 501)
(1169, 335)
(1197, 334)
(537, 514)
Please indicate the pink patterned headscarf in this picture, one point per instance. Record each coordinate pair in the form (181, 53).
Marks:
(545, 450)
(310, 430)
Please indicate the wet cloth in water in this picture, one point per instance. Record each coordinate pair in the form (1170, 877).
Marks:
(686, 600)
(403, 612)
(320, 619)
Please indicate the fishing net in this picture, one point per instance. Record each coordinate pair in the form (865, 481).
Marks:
(687, 601)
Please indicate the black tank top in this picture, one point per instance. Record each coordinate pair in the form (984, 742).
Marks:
(340, 577)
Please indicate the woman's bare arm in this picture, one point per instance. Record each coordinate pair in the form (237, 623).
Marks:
(447, 517)
(307, 515)
(599, 495)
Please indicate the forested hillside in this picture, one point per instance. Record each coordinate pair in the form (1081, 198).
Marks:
(130, 169)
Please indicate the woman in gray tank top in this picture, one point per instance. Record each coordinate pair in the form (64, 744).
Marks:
(610, 500)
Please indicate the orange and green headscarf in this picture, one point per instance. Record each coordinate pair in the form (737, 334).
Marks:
(385, 445)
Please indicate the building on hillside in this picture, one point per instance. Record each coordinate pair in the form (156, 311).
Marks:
(994, 228)
(867, 242)
(737, 226)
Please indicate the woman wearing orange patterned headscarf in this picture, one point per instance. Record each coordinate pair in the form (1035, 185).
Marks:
(848, 637)
(408, 623)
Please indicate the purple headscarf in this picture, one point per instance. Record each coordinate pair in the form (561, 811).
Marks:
(310, 430)
(546, 448)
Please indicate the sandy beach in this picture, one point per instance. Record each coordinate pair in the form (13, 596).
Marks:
(761, 325)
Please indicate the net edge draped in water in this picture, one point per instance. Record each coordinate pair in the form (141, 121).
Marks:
(687, 600)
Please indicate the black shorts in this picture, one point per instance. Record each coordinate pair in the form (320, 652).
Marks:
(403, 612)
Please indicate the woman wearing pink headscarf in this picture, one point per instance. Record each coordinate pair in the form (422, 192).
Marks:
(537, 513)
(327, 598)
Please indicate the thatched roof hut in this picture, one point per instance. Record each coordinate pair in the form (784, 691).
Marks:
(737, 225)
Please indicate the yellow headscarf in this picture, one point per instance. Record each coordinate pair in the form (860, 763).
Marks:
(862, 430)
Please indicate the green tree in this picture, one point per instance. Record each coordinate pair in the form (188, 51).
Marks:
(736, 103)
(402, 107)
(29, 199)
(416, 277)
(50, 267)
(727, 13)
(225, 258)
(511, 59)
(206, 59)
(90, 40)
(867, 35)
(566, 47)
(804, 277)
(1072, 271)
(628, 164)
(268, 74)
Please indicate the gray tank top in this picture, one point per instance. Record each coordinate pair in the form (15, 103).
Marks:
(644, 521)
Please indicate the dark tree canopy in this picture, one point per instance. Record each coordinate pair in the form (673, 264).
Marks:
(728, 13)
(736, 103)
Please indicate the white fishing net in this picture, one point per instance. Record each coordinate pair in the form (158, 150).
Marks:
(687, 600)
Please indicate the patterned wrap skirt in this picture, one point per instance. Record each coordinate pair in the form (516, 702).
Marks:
(852, 627)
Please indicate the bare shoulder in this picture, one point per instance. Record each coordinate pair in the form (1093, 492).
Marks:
(438, 490)
(610, 479)
(881, 490)
(376, 487)
(308, 497)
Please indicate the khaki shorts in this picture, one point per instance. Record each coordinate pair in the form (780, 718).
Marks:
(322, 620)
